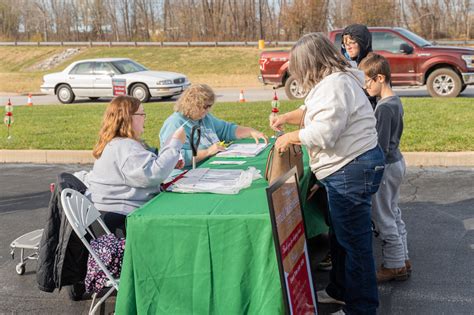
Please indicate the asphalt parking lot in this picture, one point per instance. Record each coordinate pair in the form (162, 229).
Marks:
(437, 206)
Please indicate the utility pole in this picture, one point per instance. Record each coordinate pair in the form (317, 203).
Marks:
(260, 18)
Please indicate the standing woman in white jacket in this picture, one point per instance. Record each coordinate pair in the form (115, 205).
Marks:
(339, 133)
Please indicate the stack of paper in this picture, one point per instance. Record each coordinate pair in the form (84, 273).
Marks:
(243, 150)
(217, 181)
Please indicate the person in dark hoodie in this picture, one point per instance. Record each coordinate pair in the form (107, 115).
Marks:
(356, 42)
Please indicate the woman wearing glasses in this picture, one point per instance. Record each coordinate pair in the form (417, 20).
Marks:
(126, 175)
(339, 133)
(356, 42)
(193, 109)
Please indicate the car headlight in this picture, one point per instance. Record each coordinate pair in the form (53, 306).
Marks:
(164, 82)
(469, 59)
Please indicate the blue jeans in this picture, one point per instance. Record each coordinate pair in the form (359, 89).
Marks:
(350, 189)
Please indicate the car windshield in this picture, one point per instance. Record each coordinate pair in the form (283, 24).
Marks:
(128, 66)
(418, 40)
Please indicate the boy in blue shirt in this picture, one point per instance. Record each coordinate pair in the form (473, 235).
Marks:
(385, 211)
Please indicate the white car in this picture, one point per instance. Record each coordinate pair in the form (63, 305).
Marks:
(93, 79)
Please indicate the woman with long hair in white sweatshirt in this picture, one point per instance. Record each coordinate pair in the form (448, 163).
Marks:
(339, 133)
(126, 174)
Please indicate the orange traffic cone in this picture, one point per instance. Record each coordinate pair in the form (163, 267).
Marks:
(30, 102)
(241, 96)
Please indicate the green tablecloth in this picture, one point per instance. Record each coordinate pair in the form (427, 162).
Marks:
(205, 253)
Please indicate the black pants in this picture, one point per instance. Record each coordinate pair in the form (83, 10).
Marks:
(115, 222)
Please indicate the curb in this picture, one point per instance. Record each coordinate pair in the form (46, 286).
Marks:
(32, 94)
(85, 157)
(439, 158)
(47, 156)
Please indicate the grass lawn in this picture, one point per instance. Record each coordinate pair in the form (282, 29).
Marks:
(430, 124)
(211, 65)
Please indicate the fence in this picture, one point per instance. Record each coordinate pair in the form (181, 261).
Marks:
(190, 44)
(148, 44)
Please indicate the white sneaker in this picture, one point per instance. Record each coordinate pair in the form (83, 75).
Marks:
(340, 312)
(324, 298)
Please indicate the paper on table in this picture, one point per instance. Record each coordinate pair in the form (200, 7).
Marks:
(227, 162)
(218, 181)
(243, 150)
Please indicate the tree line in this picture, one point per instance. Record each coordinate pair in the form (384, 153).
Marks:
(224, 20)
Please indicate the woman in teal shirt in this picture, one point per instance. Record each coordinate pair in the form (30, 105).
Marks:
(193, 108)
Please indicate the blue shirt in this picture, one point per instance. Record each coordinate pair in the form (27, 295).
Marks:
(212, 130)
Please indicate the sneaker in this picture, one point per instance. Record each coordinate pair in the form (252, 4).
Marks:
(389, 274)
(340, 312)
(325, 298)
(326, 263)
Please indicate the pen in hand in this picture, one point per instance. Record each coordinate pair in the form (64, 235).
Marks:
(224, 144)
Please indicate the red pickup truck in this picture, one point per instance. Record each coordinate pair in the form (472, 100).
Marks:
(414, 61)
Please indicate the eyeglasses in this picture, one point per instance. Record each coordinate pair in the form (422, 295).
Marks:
(369, 80)
(350, 43)
(140, 114)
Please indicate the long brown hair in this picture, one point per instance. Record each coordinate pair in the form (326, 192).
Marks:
(314, 57)
(117, 122)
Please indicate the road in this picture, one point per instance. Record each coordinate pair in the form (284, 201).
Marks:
(264, 93)
(437, 205)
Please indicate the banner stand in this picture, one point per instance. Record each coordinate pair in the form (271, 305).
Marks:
(286, 215)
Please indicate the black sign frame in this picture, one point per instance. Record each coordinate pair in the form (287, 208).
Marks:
(270, 190)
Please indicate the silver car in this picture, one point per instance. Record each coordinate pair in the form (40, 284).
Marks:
(107, 77)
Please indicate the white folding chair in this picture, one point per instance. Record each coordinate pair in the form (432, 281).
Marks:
(81, 213)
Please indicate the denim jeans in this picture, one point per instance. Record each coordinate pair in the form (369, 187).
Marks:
(352, 278)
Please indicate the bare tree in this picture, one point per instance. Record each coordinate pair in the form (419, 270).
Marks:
(9, 19)
(216, 20)
(375, 13)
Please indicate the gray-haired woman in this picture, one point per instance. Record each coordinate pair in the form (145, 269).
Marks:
(339, 132)
(193, 109)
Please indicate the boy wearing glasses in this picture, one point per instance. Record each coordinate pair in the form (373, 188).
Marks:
(385, 211)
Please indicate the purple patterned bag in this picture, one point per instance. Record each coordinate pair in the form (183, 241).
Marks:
(110, 250)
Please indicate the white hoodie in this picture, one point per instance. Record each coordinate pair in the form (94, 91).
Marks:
(339, 124)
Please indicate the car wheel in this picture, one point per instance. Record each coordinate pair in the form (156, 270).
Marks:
(444, 82)
(464, 86)
(293, 90)
(141, 92)
(65, 94)
(94, 98)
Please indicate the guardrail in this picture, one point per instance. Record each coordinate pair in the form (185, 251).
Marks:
(191, 44)
(154, 44)
(455, 42)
